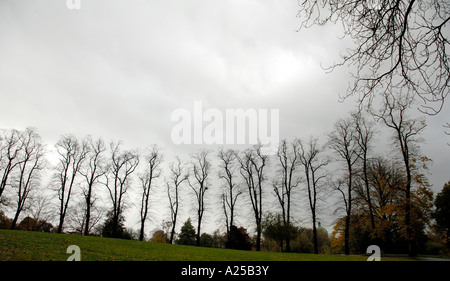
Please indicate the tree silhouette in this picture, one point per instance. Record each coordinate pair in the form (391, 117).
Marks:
(398, 44)
(201, 169)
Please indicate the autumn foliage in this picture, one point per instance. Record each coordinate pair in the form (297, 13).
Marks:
(388, 203)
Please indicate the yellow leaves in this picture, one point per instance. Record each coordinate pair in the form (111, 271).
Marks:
(159, 237)
(388, 210)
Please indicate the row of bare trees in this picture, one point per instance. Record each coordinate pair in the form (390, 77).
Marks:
(21, 162)
(89, 167)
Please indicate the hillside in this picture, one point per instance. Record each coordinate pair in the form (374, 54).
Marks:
(37, 246)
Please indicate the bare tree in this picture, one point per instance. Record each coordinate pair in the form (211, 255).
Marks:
(232, 191)
(30, 164)
(72, 154)
(153, 161)
(201, 168)
(342, 140)
(40, 208)
(176, 178)
(406, 131)
(385, 179)
(287, 179)
(363, 136)
(399, 44)
(10, 146)
(92, 169)
(77, 216)
(252, 163)
(122, 165)
(309, 158)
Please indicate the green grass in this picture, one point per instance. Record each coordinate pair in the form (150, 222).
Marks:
(37, 246)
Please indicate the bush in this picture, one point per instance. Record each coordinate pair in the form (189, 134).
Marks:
(238, 239)
(32, 224)
(434, 248)
(5, 222)
(275, 229)
(206, 240)
(302, 244)
(159, 237)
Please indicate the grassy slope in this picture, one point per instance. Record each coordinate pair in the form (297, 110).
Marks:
(36, 246)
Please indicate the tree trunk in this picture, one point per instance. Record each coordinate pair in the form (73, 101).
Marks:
(172, 232)
(61, 222)
(347, 235)
(198, 231)
(349, 211)
(141, 233)
(258, 239)
(16, 217)
(88, 212)
(114, 232)
(316, 244)
(288, 244)
(369, 200)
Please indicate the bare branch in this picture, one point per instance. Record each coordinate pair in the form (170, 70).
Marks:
(397, 44)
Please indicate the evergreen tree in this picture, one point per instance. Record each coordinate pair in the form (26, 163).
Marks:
(442, 213)
(187, 235)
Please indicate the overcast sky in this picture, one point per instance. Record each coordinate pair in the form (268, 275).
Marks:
(118, 69)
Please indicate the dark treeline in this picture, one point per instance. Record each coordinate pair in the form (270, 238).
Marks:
(386, 201)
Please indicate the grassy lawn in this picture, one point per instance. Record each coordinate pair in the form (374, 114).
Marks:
(37, 246)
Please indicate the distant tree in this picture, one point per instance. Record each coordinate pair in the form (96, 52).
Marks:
(153, 161)
(77, 216)
(364, 134)
(187, 234)
(159, 236)
(114, 227)
(310, 158)
(238, 239)
(206, 240)
(92, 170)
(28, 224)
(274, 228)
(10, 147)
(252, 163)
(72, 154)
(228, 168)
(219, 239)
(386, 183)
(40, 207)
(32, 224)
(31, 163)
(394, 114)
(442, 213)
(176, 178)
(342, 141)
(122, 166)
(286, 180)
(201, 168)
(302, 243)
